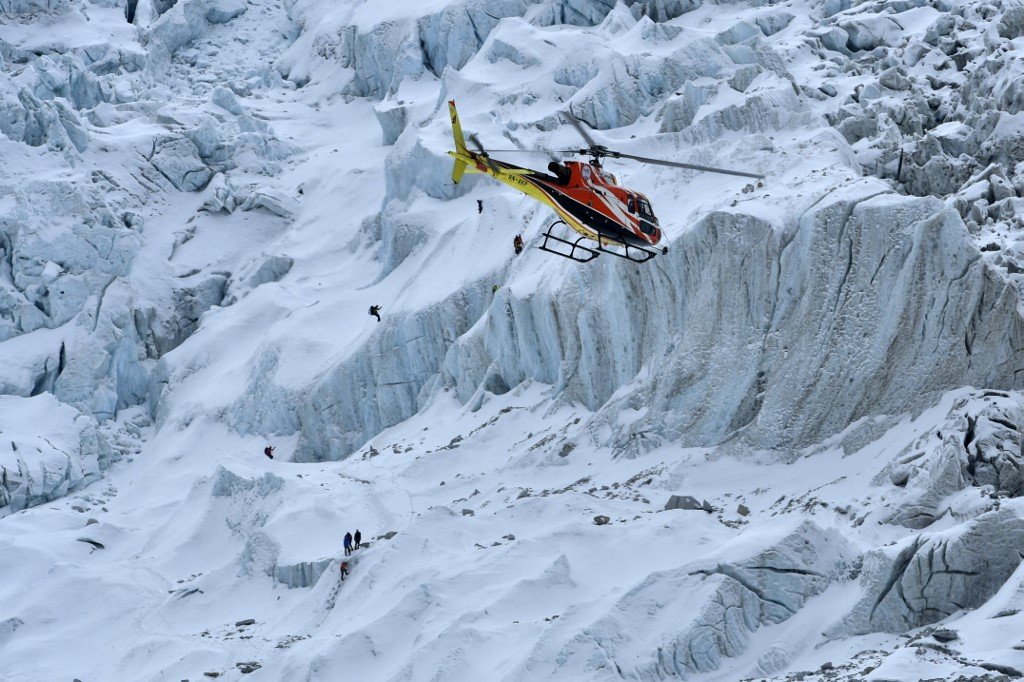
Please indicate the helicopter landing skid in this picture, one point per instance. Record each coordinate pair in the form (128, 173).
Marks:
(586, 255)
(631, 252)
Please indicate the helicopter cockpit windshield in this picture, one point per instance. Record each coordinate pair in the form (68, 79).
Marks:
(644, 209)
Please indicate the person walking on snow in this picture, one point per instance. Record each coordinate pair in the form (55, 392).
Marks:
(375, 311)
(348, 543)
(344, 570)
(357, 539)
(269, 451)
(517, 244)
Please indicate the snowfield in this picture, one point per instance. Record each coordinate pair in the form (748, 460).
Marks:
(788, 449)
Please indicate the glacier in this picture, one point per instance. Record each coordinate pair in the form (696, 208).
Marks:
(203, 197)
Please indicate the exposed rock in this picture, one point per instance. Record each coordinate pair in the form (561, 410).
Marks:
(944, 635)
(601, 520)
(247, 621)
(682, 502)
(94, 543)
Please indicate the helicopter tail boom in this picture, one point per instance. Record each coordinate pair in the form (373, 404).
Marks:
(460, 144)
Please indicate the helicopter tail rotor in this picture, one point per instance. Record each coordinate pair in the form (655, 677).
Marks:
(482, 153)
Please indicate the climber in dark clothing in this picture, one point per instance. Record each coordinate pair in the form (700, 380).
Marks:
(348, 543)
(269, 451)
(357, 539)
(375, 311)
(517, 244)
(344, 570)
(479, 206)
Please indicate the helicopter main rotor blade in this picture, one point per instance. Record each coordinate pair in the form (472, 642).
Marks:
(691, 166)
(537, 151)
(580, 129)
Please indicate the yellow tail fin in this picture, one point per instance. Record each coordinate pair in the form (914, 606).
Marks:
(460, 143)
(458, 170)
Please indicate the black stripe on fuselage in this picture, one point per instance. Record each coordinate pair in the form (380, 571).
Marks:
(590, 217)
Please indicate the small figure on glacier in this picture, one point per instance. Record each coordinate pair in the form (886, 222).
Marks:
(517, 244)
(269, 451)
(479, 205)
(494, 289)
(344, 570)
(348, 543)
(357, 539)
(375, 311)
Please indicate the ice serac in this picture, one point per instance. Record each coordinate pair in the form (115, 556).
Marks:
(700, 614)
(781, 336)
(383, 382)
(302, 574)
(383, 53)
(979, 445)
(934, 575)
(36, 468)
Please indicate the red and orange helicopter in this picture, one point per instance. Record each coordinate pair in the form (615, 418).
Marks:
(583, 195)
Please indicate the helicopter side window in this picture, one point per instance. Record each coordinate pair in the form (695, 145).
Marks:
(630, 204)
(645, 208)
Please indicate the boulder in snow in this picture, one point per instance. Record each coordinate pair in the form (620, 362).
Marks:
(683, 502)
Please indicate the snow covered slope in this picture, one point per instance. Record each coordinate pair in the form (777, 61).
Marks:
(203, 198)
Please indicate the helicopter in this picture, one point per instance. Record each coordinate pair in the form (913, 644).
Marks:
(584, 196)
